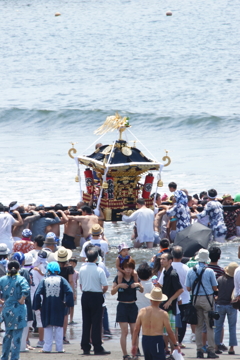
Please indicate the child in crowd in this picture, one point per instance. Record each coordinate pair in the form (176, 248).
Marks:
(41, 263)
(73, 263)
(123, 255)
(164, 248)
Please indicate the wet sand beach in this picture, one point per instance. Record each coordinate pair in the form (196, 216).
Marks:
(73, 351)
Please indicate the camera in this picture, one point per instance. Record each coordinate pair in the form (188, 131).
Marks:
(213, 315)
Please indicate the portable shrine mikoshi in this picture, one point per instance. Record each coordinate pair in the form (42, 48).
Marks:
(113, 173)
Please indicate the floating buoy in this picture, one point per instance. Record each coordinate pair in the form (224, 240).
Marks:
(57, 14)
(169, 13)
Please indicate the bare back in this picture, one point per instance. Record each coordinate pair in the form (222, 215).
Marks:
(87, 222)
(153, 320)
(55, 228)
(71, 228)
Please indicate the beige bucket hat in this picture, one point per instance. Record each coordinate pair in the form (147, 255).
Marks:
(156, 295)
(230, 268)
(63, 254)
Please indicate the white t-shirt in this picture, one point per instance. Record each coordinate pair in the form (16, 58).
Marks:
(6, 223)
(34, 253)
(142, 301)
(92, 277)
(96, 242)
(182, 271)
(37, 278)
(144, 219)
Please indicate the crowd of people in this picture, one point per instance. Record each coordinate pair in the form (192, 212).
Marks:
(39, 282)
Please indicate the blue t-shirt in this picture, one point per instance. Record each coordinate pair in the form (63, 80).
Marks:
(208, 279)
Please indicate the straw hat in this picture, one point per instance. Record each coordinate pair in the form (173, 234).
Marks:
(230, 269)
(156, 295)
(63, 254)
(96, 230)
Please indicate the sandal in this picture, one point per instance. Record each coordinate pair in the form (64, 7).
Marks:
(65, 341)
(30, 347)
(231, 352)
(127, 357)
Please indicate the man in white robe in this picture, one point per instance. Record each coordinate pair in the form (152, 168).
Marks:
(144, 219)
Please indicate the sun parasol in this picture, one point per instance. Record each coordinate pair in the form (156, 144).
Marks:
(193, 238)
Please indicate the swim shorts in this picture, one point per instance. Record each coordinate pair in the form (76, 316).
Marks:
(153, 347)
(68, 242)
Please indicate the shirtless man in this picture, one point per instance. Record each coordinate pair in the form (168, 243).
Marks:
(71, 233)
(152, 320)
(55, 228)
(17, 230)
(87, 220)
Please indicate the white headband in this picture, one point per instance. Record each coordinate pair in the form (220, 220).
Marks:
(210, 197)
(14, 207)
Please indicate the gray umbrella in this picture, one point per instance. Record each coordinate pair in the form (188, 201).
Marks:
(193, 238)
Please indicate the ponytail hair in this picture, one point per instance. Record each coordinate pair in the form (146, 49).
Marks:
(13, 267)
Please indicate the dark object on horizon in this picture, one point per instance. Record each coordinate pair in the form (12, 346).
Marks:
(47, 214)
(201, 208)
(193, 238)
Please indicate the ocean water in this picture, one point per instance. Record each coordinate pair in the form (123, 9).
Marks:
(177, 78)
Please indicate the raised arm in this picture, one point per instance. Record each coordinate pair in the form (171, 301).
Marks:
(78, 218)
(31, 218)
(64, 218)
(19, 220)
(116, 286)
(157, 220)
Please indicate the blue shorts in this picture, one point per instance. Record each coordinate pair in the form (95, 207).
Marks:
(153, 347)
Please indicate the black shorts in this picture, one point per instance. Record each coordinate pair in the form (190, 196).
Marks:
(127, 313)
(68, 242)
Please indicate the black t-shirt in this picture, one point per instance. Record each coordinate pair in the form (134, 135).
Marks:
(225, 289)
(171, 284)
(126, 295)
(66, 271)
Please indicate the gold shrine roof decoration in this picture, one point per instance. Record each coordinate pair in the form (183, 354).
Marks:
(120, 158)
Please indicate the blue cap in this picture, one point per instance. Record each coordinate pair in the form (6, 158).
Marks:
(19, 256)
